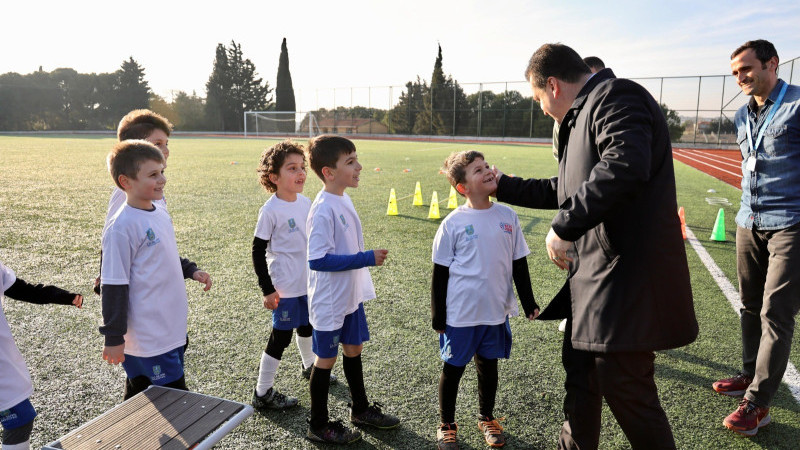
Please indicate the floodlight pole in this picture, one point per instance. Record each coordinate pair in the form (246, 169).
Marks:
(245, 123)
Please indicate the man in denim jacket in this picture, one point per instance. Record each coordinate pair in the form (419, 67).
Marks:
(768, 232)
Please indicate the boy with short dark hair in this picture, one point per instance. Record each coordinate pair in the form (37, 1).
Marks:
(338, 284)
(16, 411)
(143, 294)
(151, 127)
(279, 259)
(478, 248)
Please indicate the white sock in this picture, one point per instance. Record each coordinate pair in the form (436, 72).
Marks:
(266, 373)
(304, 345)
(21, 446)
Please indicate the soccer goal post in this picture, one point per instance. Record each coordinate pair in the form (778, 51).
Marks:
(280, 123)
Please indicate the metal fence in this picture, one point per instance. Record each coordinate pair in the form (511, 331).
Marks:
(705, 104)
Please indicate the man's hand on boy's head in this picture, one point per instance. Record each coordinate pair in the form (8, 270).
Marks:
(497, 174)
(114, 354)
(202, 276)
(271, 301)
(380, 256)
(78, 300)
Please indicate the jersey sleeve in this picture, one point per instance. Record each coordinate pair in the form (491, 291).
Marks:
(320, 234)
(7, 278)
(265, 225)
(443, 248)
(521, 249)
(117, 257)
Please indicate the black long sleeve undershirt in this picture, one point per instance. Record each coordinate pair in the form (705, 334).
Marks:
(39, 294)
(441, 274)
(260, 265)
(522, 280)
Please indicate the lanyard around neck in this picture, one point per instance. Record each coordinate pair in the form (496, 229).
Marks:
(764, 126)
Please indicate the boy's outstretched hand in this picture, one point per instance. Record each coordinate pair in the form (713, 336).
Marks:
(380, 256)
(78, 300)
(202, 276)
(114, 354)
(271, 301)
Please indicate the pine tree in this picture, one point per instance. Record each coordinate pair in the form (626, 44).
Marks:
(131, 90)
(233, 89)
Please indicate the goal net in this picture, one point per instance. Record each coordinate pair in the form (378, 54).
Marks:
(280, 123)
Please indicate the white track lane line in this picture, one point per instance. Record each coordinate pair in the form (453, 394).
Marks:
(727, 162)
(791, 377)
(711, 165)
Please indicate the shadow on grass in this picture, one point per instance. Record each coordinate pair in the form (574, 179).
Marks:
(688, 357)
(400, 437)
(776, 435)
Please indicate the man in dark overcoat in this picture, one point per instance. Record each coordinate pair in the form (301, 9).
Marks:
(618, 234)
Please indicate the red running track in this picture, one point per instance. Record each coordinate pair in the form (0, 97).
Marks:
(725, 165)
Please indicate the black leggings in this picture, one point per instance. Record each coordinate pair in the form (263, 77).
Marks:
(18, 435)
(280, 339)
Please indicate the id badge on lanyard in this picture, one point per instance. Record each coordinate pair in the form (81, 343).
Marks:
(750, 164)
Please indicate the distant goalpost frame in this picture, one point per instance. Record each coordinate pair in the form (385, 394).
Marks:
(280, 123)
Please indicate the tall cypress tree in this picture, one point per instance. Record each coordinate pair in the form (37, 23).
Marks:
(284, 92)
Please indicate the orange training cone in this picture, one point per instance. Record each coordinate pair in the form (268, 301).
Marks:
(682, 216)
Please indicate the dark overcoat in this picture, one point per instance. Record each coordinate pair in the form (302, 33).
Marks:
(628, 288)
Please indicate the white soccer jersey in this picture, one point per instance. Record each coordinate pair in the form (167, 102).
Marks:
(479, 245)
(139, 250)
(283, 224)
(15, 380)
(118, 199)
(334, 228)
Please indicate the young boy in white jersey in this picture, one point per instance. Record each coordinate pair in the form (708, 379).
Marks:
(143, 294)
(478, 248)
(279, 259)
(16, 411)
(338, 284)
(138, 124)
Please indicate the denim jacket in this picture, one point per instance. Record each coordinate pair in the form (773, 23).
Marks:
(771, 193)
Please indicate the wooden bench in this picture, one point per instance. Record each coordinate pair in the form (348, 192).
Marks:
(158, 418)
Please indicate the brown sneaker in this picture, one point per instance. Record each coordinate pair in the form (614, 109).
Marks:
(446, 436)
(734, 386)
(747, 418)
(492, 431)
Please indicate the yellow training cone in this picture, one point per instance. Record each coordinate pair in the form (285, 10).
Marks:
(392, 209)
(452, 202)
(417, 195)
(433, 213)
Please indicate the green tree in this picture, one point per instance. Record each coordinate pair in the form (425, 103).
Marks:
(284, 92)
(190, 112)
(676, 128)
(444, 103)
(401, 119)
(233, 89)
(131, 90)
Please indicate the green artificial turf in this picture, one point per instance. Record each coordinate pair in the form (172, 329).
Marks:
(53, 197)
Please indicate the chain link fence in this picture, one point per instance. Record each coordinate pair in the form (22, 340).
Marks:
(704, 105)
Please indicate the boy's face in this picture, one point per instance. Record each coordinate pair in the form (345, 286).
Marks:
(292, 176)
(160, 140)
(347, 171)
(479, 180)
(148, 184)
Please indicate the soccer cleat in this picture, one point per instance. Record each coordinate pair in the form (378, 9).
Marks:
(492, 431)
(446, 436)
(307, 374)
(373, 416)
(272, 399)
(334, 432)
(747, 418)
(734, 386)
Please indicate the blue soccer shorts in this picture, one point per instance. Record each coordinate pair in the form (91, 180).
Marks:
(457, 345)
(20, 414)
(160, 369)
(354, 331)
(291, 313)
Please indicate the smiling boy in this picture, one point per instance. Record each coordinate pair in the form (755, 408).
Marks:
(143, 295)
(338, 284)
(478, 248)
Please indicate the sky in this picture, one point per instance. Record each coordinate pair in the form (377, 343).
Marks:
(354, 43)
